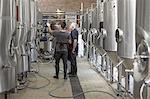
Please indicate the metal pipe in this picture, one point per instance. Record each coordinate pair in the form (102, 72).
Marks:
(111, 72)
(59, 19)
(63, 13)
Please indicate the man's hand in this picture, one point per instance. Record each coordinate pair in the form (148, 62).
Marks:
(49, 28)
(73, 51)
(74, 46)
(48, 24)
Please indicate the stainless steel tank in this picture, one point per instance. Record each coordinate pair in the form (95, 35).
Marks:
(22, 33)
(90, 18)
(94, 26)
(125, 34)
(110, 25)
(100, 19)
(7, 28)
(143, 23)
(27, 31)
(33, 31)
(126, 25)
(142, 63)
(143, 20)
(27, 19)
(141, 71)
(100, 12)
(33, 20)
(20, 37)
(85, 27)
(39, 15)
(94, 18)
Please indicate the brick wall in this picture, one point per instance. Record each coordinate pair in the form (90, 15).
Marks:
(65, 5)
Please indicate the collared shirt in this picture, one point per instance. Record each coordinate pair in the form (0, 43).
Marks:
(62, 40)
(74, 35)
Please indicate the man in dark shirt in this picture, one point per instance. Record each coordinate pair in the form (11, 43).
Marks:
(73, 50)
(61, 48)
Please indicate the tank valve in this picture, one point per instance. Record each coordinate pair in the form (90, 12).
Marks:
(5, 67)
(119, 35)
(104, 32)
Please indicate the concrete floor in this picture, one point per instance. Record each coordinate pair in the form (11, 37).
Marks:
(89, 80)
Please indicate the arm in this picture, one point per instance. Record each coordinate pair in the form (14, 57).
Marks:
(49, 28)
(69, 39)
(74, 45)
(75, 42)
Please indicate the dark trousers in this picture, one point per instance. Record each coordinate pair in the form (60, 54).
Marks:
(73, 60)
(61, 55)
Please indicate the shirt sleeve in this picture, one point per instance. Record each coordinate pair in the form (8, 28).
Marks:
(69, 37)
(75, 34)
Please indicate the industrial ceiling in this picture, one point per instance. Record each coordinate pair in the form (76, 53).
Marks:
(63, 5)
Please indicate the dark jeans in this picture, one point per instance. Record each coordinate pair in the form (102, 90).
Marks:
(73, 60)
(61, 55)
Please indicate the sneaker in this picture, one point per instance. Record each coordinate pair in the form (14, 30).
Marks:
(56, 77)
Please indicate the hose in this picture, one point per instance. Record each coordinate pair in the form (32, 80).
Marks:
(90, 91)
(28, 79)
(43, 86)
(141, 90)
(38, 73)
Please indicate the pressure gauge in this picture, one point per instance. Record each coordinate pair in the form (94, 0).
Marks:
(119, 35)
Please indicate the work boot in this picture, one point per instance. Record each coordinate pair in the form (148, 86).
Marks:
(56, 77)
(65, 76)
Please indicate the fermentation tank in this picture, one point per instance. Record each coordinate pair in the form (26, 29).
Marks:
(85, 26)
(7, 29)
(33, 31)
(94, 18)
(110, 25)
(143, 22)
(125, 34)
(22, 33)
(100, 10)
(94, 26)
(142, 63)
